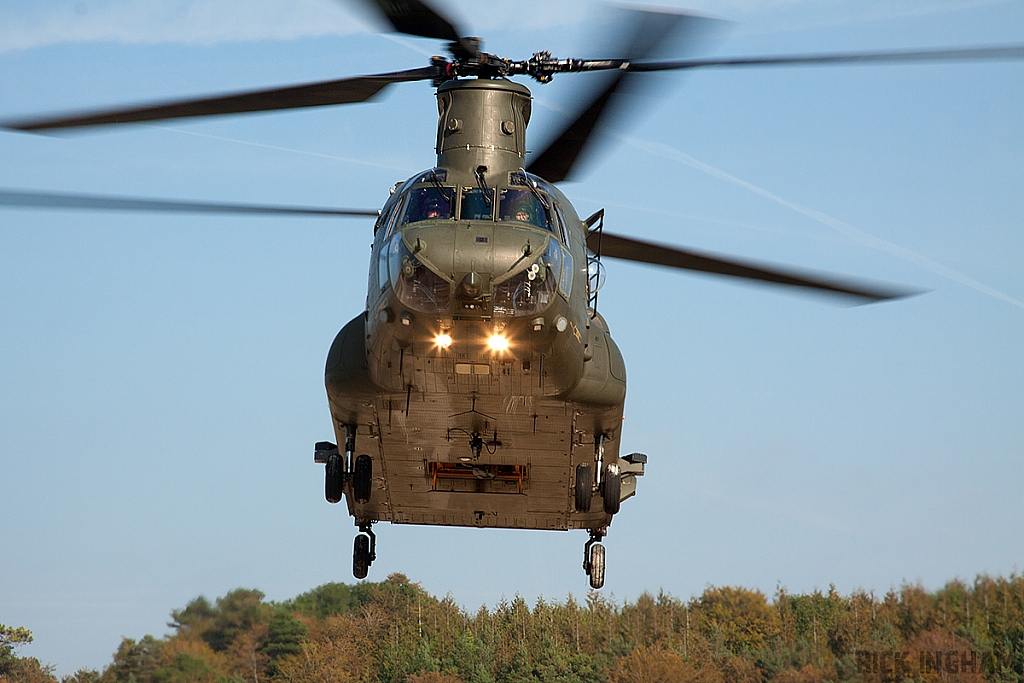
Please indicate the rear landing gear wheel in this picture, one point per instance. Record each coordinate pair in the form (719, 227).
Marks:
(584, 487)
(364, 550)
(362, 478)
(593, 558)
(611, 490)
(335, 478)
(597, 566)
(361, 556)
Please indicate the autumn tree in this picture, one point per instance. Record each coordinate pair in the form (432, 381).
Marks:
(393, 631)
(11, 637)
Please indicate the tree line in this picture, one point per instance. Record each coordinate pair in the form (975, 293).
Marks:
(395, 632)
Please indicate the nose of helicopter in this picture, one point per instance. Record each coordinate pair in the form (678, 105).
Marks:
(472, 284)
(472, 255)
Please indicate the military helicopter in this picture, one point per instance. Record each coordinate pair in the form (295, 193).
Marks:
(480, 386)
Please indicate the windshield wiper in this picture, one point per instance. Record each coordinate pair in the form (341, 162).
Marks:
(479, 173)
(440, 188)
(532, 184)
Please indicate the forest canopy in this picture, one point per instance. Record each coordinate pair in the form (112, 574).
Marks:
(395, 632)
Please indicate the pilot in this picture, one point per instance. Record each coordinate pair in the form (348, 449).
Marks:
(432, 209)
(519, 207)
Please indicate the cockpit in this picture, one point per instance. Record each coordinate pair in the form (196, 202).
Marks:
(428, 204)
(527, 201)
(527, 287)
(525, 206)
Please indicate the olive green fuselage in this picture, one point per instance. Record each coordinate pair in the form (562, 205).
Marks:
(477, 326)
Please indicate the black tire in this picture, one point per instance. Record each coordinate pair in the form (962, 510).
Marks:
(334, 478)
(362, 478)
(597, 566)
(611, 491)
(584, 486)
(361, 556)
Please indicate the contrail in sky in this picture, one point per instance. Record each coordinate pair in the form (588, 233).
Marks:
(351, 160)
(859, 236)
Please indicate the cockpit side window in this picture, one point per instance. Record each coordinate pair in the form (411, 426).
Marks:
(384, 216)
(477, 204)
(428, 203)
(396, 211)
(563, 227)
(525, 207)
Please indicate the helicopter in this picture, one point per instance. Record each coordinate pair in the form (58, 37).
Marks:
(480, 373)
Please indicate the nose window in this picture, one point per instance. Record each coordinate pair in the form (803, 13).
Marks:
(524, 206)
(428, 203)
(477, 204)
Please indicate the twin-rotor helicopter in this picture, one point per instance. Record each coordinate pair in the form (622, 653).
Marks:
(480, 387)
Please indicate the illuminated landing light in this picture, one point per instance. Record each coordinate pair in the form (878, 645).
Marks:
(443, 341)
(497, 343)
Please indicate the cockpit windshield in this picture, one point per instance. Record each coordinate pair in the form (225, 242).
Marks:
(477, 204)
(428, 203)
(524, 206)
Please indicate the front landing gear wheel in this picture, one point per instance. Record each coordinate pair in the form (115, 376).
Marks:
(584, 487)
(362, 478)
(611, 490)
(597, 566)
(361, 557)
(335, 477)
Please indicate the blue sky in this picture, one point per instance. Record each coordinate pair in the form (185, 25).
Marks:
(162, 375)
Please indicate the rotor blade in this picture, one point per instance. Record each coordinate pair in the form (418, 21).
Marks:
(556, 161)
(629, 249)
(56, 200)
(1003, 52)
(343, 91)
(647, 32)
(416, 18)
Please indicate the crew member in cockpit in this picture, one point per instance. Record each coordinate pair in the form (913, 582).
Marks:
(523, 206)
(433, 208)
(427, 204)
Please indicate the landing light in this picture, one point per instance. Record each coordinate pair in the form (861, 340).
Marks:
(498, 343)
(443, 341)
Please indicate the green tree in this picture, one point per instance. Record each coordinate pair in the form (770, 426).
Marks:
(195, 619)
(218, 624)
(395, 632)
(323, 601)
(285, 635)
(83, 675)
(740, 620)
(10, 638)
(236, 612)
(134, 662)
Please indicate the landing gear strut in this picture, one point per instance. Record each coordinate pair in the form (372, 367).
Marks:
(364, 550)
(593, 558)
